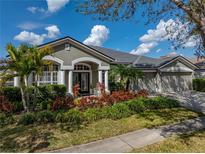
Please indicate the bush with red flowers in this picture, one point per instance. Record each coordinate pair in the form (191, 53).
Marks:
(5, 105)
(76, 89)
(63, 103)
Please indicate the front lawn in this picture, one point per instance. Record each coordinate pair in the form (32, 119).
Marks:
(43, 137)
(186, 143)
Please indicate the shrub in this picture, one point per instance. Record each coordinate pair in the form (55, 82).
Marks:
(137, 105)
(17, 106)
(28, 118)
(93, 114)
(118, 111)
(52, 91)
(45, 116)
(12, 93)
(6, 119)
(199, 84)
(160, 103)
(143, 93)
(5, 105)
(71, 117)
(63, 103)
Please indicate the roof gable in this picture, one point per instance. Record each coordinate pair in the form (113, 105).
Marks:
(79, 45)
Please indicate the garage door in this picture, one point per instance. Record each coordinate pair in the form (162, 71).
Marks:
(176, 82)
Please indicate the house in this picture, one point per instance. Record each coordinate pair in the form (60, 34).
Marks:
(75, 62)
(200, 63)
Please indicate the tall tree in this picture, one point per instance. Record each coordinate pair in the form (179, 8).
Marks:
(21, 62)
(189, 12)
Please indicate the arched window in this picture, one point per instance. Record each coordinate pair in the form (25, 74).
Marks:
(82, 67)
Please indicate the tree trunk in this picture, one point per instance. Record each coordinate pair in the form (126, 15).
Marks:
(23, 97)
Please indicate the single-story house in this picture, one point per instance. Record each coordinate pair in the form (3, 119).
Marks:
(75, 62)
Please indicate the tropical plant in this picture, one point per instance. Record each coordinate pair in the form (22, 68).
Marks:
(21, 62)
(126, 75)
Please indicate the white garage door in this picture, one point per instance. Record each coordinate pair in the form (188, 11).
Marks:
(176, 82)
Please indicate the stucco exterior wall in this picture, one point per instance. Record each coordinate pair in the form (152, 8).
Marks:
(148, 82)
(72, 54)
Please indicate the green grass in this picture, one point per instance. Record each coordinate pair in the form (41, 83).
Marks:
(36, 138)
(186, 143)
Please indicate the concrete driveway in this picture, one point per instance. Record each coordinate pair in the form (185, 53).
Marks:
(190, 99)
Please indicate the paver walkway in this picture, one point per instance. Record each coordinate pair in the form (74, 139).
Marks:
(137, 139)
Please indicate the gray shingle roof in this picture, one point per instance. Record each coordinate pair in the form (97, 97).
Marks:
(136, 60)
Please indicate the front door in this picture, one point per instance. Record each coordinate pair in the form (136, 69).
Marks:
(82, 78)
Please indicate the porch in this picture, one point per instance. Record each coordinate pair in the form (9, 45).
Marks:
(85, 71)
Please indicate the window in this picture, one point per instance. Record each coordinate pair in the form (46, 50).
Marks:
(81, 67)
(49, 75)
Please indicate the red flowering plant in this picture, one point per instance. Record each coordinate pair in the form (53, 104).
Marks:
(63, 103)
(101, 88)
(76, 89)
(5, 105)
(143, 93)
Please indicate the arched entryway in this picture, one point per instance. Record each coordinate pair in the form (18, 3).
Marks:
(82, 75)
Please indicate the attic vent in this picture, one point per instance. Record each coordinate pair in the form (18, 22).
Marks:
(67, 47)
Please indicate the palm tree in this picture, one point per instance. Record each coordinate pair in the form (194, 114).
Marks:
(125, 74)
(21, 62)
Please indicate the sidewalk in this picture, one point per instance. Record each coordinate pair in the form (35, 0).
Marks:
(136, 139)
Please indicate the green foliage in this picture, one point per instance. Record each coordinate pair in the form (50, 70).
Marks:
(118, 111)
(40, 98)
(199, 84)
(72, 117)
(137, 105)
(12, 93)
(93, 114)
(45, 116)
(6, 119)
(17, 106)
(160, 103)
(27, 118)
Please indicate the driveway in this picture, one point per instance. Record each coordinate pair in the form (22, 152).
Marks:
(190, 99)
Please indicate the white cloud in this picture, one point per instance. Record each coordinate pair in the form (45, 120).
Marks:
(172, 54)
(144, 48)
(30, 25)
(29, 37)
(53, 31)
(34, 10)
(53, 6)
(164, 31)
(99, 34)
(36, 39)
(56, 5)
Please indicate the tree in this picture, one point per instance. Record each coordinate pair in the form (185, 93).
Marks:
(189, 12)
(125, 74)
(21, 62)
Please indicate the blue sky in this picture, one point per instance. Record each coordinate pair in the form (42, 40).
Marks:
(41, 21)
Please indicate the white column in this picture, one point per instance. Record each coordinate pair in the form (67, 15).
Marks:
(99, 76)
(16, 81)
(70, 83)
(106, 81)
(62, 77)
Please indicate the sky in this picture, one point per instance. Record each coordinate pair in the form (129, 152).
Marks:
(40, 21)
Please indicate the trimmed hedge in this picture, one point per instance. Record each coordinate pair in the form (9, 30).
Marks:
(199, 84)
